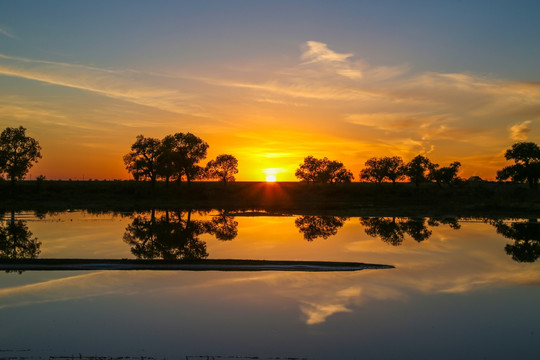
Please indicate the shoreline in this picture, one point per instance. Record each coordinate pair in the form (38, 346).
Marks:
(183, 265)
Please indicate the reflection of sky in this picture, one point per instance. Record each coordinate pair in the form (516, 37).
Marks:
(458, 292)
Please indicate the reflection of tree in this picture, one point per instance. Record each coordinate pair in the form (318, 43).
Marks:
(526, 236)
(16, 241)
(174, 235)
(223, 227)
(388, 230)
(417, 229)
(393, 231)
(319, 226)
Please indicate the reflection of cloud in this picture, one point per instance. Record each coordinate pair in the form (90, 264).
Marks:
(520, 131)
(53, 291)
(318, 313)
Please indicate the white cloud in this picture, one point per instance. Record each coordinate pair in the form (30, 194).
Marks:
(318, 53)
(520, 131)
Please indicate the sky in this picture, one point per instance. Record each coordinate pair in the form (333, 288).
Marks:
(271, 82)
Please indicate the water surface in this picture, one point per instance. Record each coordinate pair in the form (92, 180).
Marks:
(461, 288)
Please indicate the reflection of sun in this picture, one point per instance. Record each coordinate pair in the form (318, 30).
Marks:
(270, 178)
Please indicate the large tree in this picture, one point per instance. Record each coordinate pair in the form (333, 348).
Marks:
(418, 169)
(183, 153)
(379, 169)
(142, 161)
(223, 168)
(323, 171)
(18, 153)
(526, 156)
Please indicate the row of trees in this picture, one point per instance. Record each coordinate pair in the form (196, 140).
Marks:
(176, 157)
(420, 169)
(526, 168)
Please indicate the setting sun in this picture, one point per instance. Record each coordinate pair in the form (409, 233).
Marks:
(270, 178)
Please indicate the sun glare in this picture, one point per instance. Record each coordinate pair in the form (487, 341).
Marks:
(270, 178)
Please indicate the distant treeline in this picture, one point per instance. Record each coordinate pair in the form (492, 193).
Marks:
(176, 157)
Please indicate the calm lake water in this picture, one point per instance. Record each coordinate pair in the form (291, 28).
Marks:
(461, 288)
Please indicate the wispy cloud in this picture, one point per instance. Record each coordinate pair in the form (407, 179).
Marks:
(317, 52)
(520, 131)
(6, 33)
(127, 85)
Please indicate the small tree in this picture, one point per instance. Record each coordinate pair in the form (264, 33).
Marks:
(526, 156)
(323, 171)
(142, 161)
(18, 153)
(223, 168)
(445, 175)
(418, 169)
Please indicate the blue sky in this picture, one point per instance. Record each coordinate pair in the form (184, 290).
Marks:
(272, 81)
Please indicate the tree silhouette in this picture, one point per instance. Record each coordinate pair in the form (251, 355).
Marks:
(142, 161)
(379, 169)
(184, 151)
(526, 156)
(445, 175)
(313, 227)
(526, 236)
(418, 169)
(18, 153)
(223, 168)
(17, 242)
(323, 171)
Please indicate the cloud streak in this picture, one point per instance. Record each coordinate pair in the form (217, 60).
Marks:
(7, 33)
(520, 131)
(131, 86)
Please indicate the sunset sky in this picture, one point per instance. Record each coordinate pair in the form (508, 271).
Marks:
(271, 82)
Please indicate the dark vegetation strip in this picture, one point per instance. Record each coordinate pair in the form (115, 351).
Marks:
(191, 265)
(480, 199)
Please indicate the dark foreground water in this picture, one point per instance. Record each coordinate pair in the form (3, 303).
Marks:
(460, 289)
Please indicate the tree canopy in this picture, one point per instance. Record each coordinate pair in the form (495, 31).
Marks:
(18, 153)
(175, 156)
(418, 169)
(323, 171)
(380, 169)
(446, 174)
(223, 168)
(142, 161)
(526, 156)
